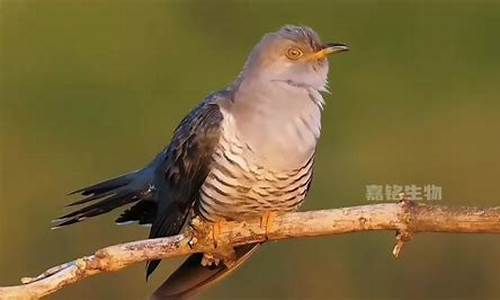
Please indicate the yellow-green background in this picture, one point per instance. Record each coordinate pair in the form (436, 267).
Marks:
(92, 89)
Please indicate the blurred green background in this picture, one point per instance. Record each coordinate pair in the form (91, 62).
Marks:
(92, 89)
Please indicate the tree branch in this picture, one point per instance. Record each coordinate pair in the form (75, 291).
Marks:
(405, 217)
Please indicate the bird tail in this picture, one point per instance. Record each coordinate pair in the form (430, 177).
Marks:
(105, 196)
(191, 277)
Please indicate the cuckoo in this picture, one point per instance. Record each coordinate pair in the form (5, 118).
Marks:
(245, 151)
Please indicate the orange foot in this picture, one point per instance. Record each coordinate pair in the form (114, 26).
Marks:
(223, 251)
(266, 222)
(217, 231)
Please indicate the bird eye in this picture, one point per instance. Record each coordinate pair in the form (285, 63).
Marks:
(294, 53)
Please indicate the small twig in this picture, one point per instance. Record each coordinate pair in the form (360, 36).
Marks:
(406, 218)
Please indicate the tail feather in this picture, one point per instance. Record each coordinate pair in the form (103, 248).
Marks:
(106, 185)
(191, 277)
(110, 194)
(96, 209)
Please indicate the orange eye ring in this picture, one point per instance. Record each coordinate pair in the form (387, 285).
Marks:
(294, 53)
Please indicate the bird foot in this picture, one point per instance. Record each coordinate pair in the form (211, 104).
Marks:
(223, 252)
(267, 221)
(217, 228)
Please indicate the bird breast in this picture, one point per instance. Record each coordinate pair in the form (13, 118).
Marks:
(279, 122)
(264, 159)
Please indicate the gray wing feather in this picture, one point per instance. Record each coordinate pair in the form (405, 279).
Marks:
(183, 167)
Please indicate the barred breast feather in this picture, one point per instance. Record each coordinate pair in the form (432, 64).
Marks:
(240, 186)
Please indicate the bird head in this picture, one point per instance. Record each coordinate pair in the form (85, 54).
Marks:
(294, 54)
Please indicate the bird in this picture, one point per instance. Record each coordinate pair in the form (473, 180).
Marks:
(245, 151)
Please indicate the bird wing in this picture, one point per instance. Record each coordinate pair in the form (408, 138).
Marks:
(183, 166)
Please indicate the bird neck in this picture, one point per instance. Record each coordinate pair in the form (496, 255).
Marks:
(287, 97)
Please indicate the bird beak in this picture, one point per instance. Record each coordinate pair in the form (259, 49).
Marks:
(331, 48)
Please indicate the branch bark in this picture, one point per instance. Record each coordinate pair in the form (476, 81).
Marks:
(405, 217)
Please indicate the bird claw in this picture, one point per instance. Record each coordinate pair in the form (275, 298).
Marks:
(226, 255)
(192, 242)
(209, 259)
